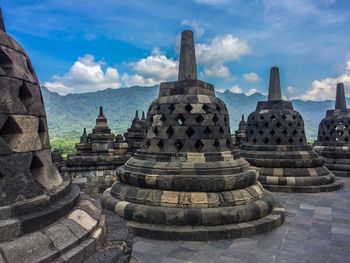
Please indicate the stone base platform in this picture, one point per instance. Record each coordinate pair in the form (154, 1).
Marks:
(336, 185)
(213, 231)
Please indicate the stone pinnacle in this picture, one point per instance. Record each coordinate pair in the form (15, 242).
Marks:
(143, 115)
(340, 101)
(242, 117)
(137, 115)
(275, 85)
(187, 66)
(101, 112)
(2, 24)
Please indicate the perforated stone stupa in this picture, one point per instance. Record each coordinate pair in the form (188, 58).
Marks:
(136, 133)
(276, 144)
(333, 140)
(240, 136)
(185, 182)
(93, 168)
(42, 217)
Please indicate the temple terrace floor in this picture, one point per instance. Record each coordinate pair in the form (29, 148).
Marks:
(317, 229)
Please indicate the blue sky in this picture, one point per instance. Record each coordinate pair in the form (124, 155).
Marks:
(79, 46)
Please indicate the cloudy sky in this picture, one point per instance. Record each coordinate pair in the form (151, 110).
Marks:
(81, 46)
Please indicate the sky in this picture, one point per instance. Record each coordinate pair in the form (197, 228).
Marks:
(79, 46)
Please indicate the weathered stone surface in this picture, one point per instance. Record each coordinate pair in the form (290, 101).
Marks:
(276, 144)
(186, 182)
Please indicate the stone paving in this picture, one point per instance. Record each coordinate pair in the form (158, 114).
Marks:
(317, 229)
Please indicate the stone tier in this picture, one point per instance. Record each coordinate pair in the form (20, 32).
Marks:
(291, 168)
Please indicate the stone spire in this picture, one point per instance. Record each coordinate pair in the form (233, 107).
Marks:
(275, 85)
(101, 112)
(136, 115)
(2, 24)
(340, 101)
(84, 137)
(187, 67)
(242, 117)
(143, 116)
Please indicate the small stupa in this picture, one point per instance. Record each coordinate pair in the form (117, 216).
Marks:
(136, 133)
(240, 136)
(276, 144)
(333, 140)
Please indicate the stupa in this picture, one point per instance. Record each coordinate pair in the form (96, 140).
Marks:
(276, 144)
(240, 136)
(98, 155)
(186, 182)
(333, 140)
(136, 133)
(43, 218)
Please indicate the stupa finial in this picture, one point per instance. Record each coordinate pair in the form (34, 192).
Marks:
(242, 117)
(275, 85)
(101, 112)
(2, 24)
(340, 101)
(143, 115)
(136, 115)
(187, 66)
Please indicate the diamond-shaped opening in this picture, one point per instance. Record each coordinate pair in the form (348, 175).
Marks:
(228, 143)
(215, 119)
(1, 179)
(179, 145)
(10, 131)
(158, 107)
(5, 61)
(261, 117)
(273, 117)
(206, 108)
(278, 141)
(199, 145)
(199, 118)
(148, 143)
(151, 119)
(302, 132)
(221, 130)
(284, 117)
(278, 125)
(170, 132)
(42, 131)
(25, 95)
(261, 132)
(218, 108)
(216, 144)
(346, 139)
(251, 132)
(188, 108)
(291, 141)
(155, 130)
(30, 67)
(180, 119)
(190, 132)
(171, 108)
(254, 140)
(301, 139)
(284, 132)
(295, 132)
(299, 124)
(253, 118)
(36, 167)
(290, 124)
(272, 132)
(267, 124)
(326, 138)
(163, 118)
(266, 140)
(160, 144)
(207, 131)
(225, 120)
(294, 117)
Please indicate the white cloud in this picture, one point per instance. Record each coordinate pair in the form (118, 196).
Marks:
(236, 89)
(222, 49)
(291, 90)
(85, 75)
(326, 88)
(211, 2)
(196, 27)
(251, 92)
(152, 70)
(220, 90)
(251, 77)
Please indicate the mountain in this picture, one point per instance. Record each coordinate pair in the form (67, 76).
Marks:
(68, 115)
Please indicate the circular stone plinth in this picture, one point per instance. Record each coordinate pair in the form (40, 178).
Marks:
(202, 232)
(336, 185)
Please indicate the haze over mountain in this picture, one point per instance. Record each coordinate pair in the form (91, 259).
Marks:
(68, 115)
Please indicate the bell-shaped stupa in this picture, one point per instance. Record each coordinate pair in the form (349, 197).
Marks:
(333, 140)
(43, 218)
(276, 144)
(186, 182)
